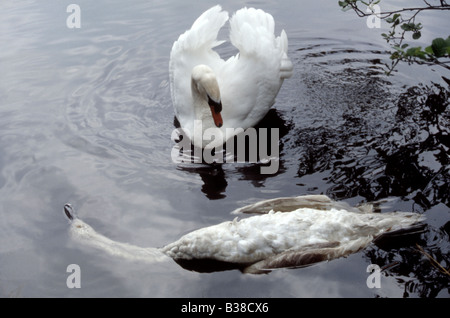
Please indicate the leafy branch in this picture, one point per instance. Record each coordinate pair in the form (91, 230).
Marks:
(438, 53)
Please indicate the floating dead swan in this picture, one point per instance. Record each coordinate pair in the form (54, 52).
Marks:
(290, 232)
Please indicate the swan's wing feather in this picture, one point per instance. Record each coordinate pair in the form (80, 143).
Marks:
(309, 254)
(298, 258)
(194, 47)
(252, 32)
(203, 33)
(286, 66)
(289, 204)
(253, 78)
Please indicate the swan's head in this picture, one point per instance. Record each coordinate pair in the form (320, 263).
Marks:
(204, 84)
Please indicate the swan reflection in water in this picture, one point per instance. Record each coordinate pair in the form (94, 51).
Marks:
(284, 233)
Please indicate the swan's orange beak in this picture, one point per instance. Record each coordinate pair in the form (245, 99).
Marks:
(217, 117)
(216, 108)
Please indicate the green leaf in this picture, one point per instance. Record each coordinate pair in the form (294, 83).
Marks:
(439, 47)
(345, 5)
(421, 55)
(411, 51)
(394, 56)
(416, 52)
(416, 35)
(407, 26)
(447, 41)
(429, 50)
(394, 19)
(411, 27)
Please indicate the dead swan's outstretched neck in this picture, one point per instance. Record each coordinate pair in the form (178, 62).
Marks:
(85, 235)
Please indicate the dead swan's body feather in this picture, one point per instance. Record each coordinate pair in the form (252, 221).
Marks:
(322, 231)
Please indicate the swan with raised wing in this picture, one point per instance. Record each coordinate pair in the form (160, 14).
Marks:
(211, 93)
(287, 232)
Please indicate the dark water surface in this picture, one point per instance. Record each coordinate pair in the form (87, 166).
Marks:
(86, 118)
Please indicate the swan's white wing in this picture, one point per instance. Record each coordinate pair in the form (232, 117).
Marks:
(250, 81)
(192, 48)
(289, 204)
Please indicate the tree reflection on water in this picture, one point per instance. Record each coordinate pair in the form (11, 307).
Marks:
(410, 160)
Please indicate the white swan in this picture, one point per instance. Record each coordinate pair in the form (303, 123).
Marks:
(296, 232)
(210, 92)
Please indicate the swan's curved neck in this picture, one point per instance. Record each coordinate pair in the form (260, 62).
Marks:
(206, 97)
(201, 107)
